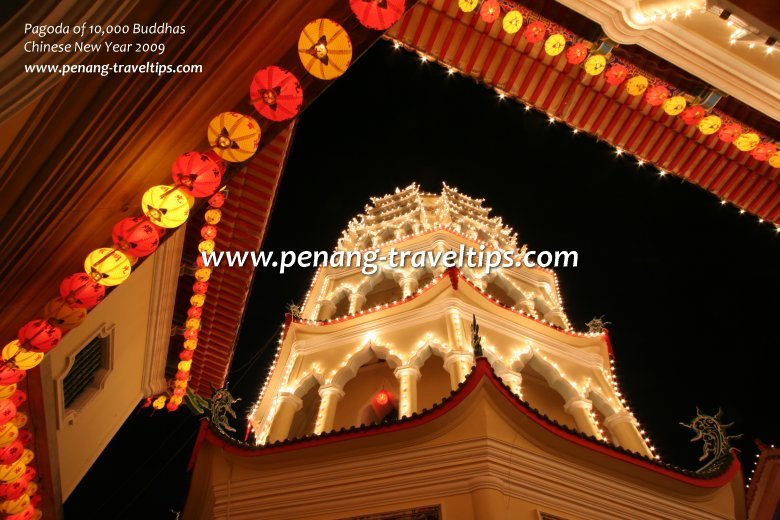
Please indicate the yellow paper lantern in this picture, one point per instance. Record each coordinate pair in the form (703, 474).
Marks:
(710, 124)
(747, 141)
(233, 136)
(674, 105)
(16, 505)
(206, 246)
(21, 358)
(190, 344)
(12, 472)
(28, 456)
(20, 419)
(107, 266)
(595, 65)
(184, 366)
(774, 160)
(325, 49)
(7, 391)
(468, 6)
(197, 300)
(166, 206)
(203, 274)
(513, 21)
(636, 86)
(8, 433)
(555, 44)
(213, 216)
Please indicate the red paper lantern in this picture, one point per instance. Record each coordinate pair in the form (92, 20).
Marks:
(79, 290)
(276, 94)
(25, 436)
(382, 398)
(195, 312)
(208, 232)
(217, 200)
(616, 74)
(39, 336)
(577, 53)
(763, 151)
(198, 174)
(200, 287)
(490, 11)
(7, 410)
(136, 236)
(534, 33)
(692, 115)
(656, 95)
(730, 132)
(186, 355)
(18, 398)
(10, 376)
(377, 14)
(10, 453)
(191, 334)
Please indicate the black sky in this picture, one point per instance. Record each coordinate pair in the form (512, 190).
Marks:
(689, 285)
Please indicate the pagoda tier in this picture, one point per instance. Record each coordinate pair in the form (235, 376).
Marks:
(366, 348)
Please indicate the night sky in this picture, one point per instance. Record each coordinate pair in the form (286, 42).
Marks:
(689, 285)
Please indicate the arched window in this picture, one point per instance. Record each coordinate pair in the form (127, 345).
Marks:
(305, 418)
(385, 291)
(496, 292)
(374, 376)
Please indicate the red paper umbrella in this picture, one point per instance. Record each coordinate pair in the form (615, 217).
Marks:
(208, 232)
(730, 132)
(39, 336)
(490, 11)
(9, 376)
(692, 115)
(656, 95)
(136, 236)
(217, 200)
(191, 334)
(763, 151)
(195, 312)
(198, 174)
(577, 53)
(7, 410)
(25, 436)
(18, 398)
(200, 287)
(28, 513)
(276, 94)
(10, 453)
(616, 74)
(534, 33)
(13, 490)
(79, 290)
(377, 14)
(186, 355)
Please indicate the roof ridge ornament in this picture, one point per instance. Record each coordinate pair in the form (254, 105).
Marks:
(713, 434)
(476, 339)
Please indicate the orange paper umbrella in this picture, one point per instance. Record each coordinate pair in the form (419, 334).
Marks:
(577, 53)
(729, 132)
(490, 11)
(656, 95)
(377, 14)
(534, 32)
(276, 93)
(325, 49)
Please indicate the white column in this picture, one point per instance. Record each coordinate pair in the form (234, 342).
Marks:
(458, 364)
(455, 330)
(324, 310)
(356, 301)
(407, 381)
(329, 398)
(408, 285)
(580, 409)
(625, 434)
(285, 412)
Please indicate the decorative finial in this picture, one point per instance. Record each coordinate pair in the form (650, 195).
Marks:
(598, 325)
(294, 309)
(713, 434)
(476, 339)
(220, 405)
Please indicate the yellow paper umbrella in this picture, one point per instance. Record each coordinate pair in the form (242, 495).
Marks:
(213, 216)
(197, 300)
(710, 124)
(7, 391)
(513, 21)
(206, 246)
(674, 105)
(16, 505)
(17, 357)
(555, 44)
(468, 6)
(28, 456)
(184, 366)
(12, 472)
(595, 64)
(166, 206)
(325, 49)
(774, 160)
(636, 86)
(747, 141)
(233, 136)
(107, 266)
(203, 274)
(8, 433)
(20, 419)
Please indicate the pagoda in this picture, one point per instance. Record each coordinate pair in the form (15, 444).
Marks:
(441, 392)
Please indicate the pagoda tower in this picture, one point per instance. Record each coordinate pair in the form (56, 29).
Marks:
(429, 392)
